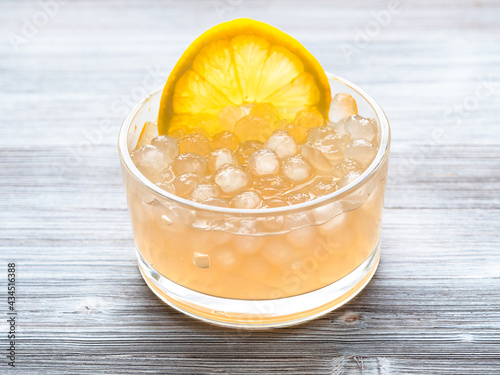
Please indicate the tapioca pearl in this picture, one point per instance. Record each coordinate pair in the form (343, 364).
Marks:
(282, 143)
(231, 179)
(339, 126)
(297, 169)
(332, 147)
(301, 237)
(229, 116)
(319, 133)
(167, 186)
(264, 162)
(298, 197)
(345, 167)
(202, 192)
(225, 139)
(246, 200)
(361, 151)
(266, 111)
(277, 252)
(252, 128)
(219, 157)
(245, 149)
(342, 106)
(217, 202)
(197, 143)
(356, 198)
(247, 244)
(298, 220)
(297, 132)
(189, 163)
(167, 175)
(151, 162)
(326, 211)
(322, 186)
(271, 186)
(309, 119)
(185, 184)
(333, 226)
(214, 237)
(361, 128)
(270, 224)
(316, 159)
(224, 256)
(348, 178)
(167, 144)
(275, 202)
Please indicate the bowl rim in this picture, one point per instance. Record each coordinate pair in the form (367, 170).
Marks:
(380, 158)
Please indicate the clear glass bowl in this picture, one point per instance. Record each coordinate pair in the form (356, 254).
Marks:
(259, 268)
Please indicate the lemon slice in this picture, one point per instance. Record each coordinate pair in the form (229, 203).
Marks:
(241, 63)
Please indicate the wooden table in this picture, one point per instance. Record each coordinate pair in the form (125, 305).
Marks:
(66, 81)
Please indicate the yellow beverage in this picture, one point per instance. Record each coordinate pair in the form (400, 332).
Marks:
(259, 257)
(266, 267)
(255, 182)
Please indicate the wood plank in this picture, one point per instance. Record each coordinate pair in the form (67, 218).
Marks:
(433, 306)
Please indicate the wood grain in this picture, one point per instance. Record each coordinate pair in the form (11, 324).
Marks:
(433, 306)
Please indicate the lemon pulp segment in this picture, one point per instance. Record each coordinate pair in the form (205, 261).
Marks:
(241, 63)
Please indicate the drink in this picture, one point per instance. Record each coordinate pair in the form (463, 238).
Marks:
(258, 227)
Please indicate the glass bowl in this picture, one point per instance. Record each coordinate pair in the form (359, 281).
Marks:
(257, 268)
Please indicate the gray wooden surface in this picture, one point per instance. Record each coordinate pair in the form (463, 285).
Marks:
(433, 306)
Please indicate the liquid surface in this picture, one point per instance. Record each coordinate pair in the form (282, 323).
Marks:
(253, 166)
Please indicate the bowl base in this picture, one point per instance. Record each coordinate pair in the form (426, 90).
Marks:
(260, 314)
